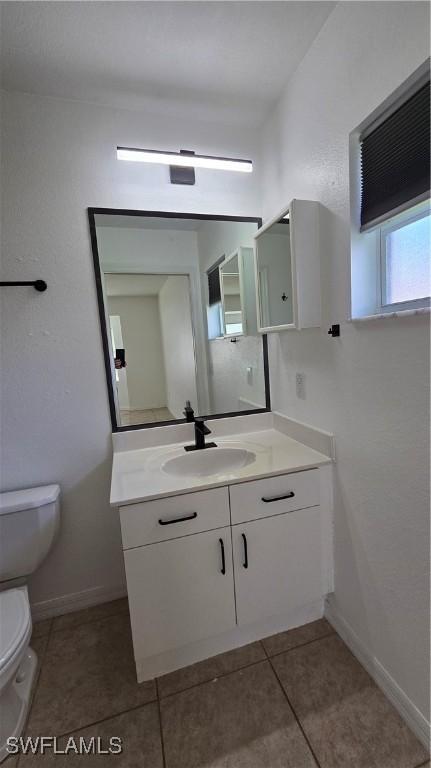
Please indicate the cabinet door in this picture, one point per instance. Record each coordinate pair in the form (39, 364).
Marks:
(287, 258)
(178, 592)
(278, 564)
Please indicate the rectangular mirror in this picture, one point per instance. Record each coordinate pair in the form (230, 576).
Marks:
(274, 275)
(177, 310)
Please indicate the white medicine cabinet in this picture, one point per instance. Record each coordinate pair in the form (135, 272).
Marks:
(287, 269)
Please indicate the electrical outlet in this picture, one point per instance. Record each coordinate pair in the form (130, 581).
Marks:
(300, 386)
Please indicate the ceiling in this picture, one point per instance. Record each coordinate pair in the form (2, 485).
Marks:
(229, 58)
(134, 285)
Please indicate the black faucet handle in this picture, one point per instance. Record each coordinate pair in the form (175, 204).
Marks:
(201, 426)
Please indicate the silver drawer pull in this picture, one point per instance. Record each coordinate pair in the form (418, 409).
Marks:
(268, 499)
(179, 519)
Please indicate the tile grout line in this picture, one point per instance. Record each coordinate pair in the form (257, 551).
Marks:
(103, 719)
(211, 679)
(296, 717)
(160, 723)
(158, 698)
(243, 666)
(300, 645)
(82, 623)
(50, 633)
(293, 711)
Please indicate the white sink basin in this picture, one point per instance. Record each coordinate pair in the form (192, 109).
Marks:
(210, 461)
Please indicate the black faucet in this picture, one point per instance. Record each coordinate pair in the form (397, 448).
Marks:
(189, 412)
(201, 430)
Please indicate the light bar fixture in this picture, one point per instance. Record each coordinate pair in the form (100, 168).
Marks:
(184, 160)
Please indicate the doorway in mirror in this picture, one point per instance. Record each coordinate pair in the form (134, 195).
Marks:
(152, 345)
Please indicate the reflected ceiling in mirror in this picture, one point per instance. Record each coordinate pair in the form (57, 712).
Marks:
(178, 316)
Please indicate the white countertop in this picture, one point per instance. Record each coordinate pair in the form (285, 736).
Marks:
(137, 474)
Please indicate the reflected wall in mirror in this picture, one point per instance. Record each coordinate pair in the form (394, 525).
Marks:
(152, 345)
(175, 291)
(274, 275)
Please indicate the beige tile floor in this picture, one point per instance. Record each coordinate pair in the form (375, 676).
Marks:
(295, 700)
(145, 417)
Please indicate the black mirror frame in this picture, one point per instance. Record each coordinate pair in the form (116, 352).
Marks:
(92, 212)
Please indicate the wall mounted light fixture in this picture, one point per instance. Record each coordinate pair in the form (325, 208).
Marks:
(184, 159)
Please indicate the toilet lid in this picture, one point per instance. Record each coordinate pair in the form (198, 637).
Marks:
(14, 622)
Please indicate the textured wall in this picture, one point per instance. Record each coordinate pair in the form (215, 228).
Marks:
(228, 379)
(368, 387)
(58, 157)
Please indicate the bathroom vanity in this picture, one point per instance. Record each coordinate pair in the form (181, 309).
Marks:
(222, 546)
(227, 544)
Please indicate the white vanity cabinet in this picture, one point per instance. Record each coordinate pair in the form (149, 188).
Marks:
(212, 570)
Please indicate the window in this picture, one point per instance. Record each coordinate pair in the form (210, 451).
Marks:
(405, 258)
(214, 291)
(395, 158)
(390, 197)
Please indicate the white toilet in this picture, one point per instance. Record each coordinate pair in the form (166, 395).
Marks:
(29, 521)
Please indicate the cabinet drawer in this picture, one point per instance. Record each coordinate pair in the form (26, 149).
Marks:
(150, 521)
(274, 495)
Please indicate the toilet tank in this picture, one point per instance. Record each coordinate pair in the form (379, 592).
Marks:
(29, 521)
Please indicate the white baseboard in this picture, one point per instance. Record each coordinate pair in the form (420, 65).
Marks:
(405, 707)
(75, 601)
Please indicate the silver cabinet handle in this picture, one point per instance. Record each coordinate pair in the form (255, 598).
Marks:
(288, 495)
(179, 519)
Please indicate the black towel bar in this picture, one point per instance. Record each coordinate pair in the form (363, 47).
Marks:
(39, 285)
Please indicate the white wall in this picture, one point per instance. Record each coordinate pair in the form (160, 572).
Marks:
(222, 238)
(368, 387)
(178, 345)
(58, 157)
(142, 338)
(230, 390)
